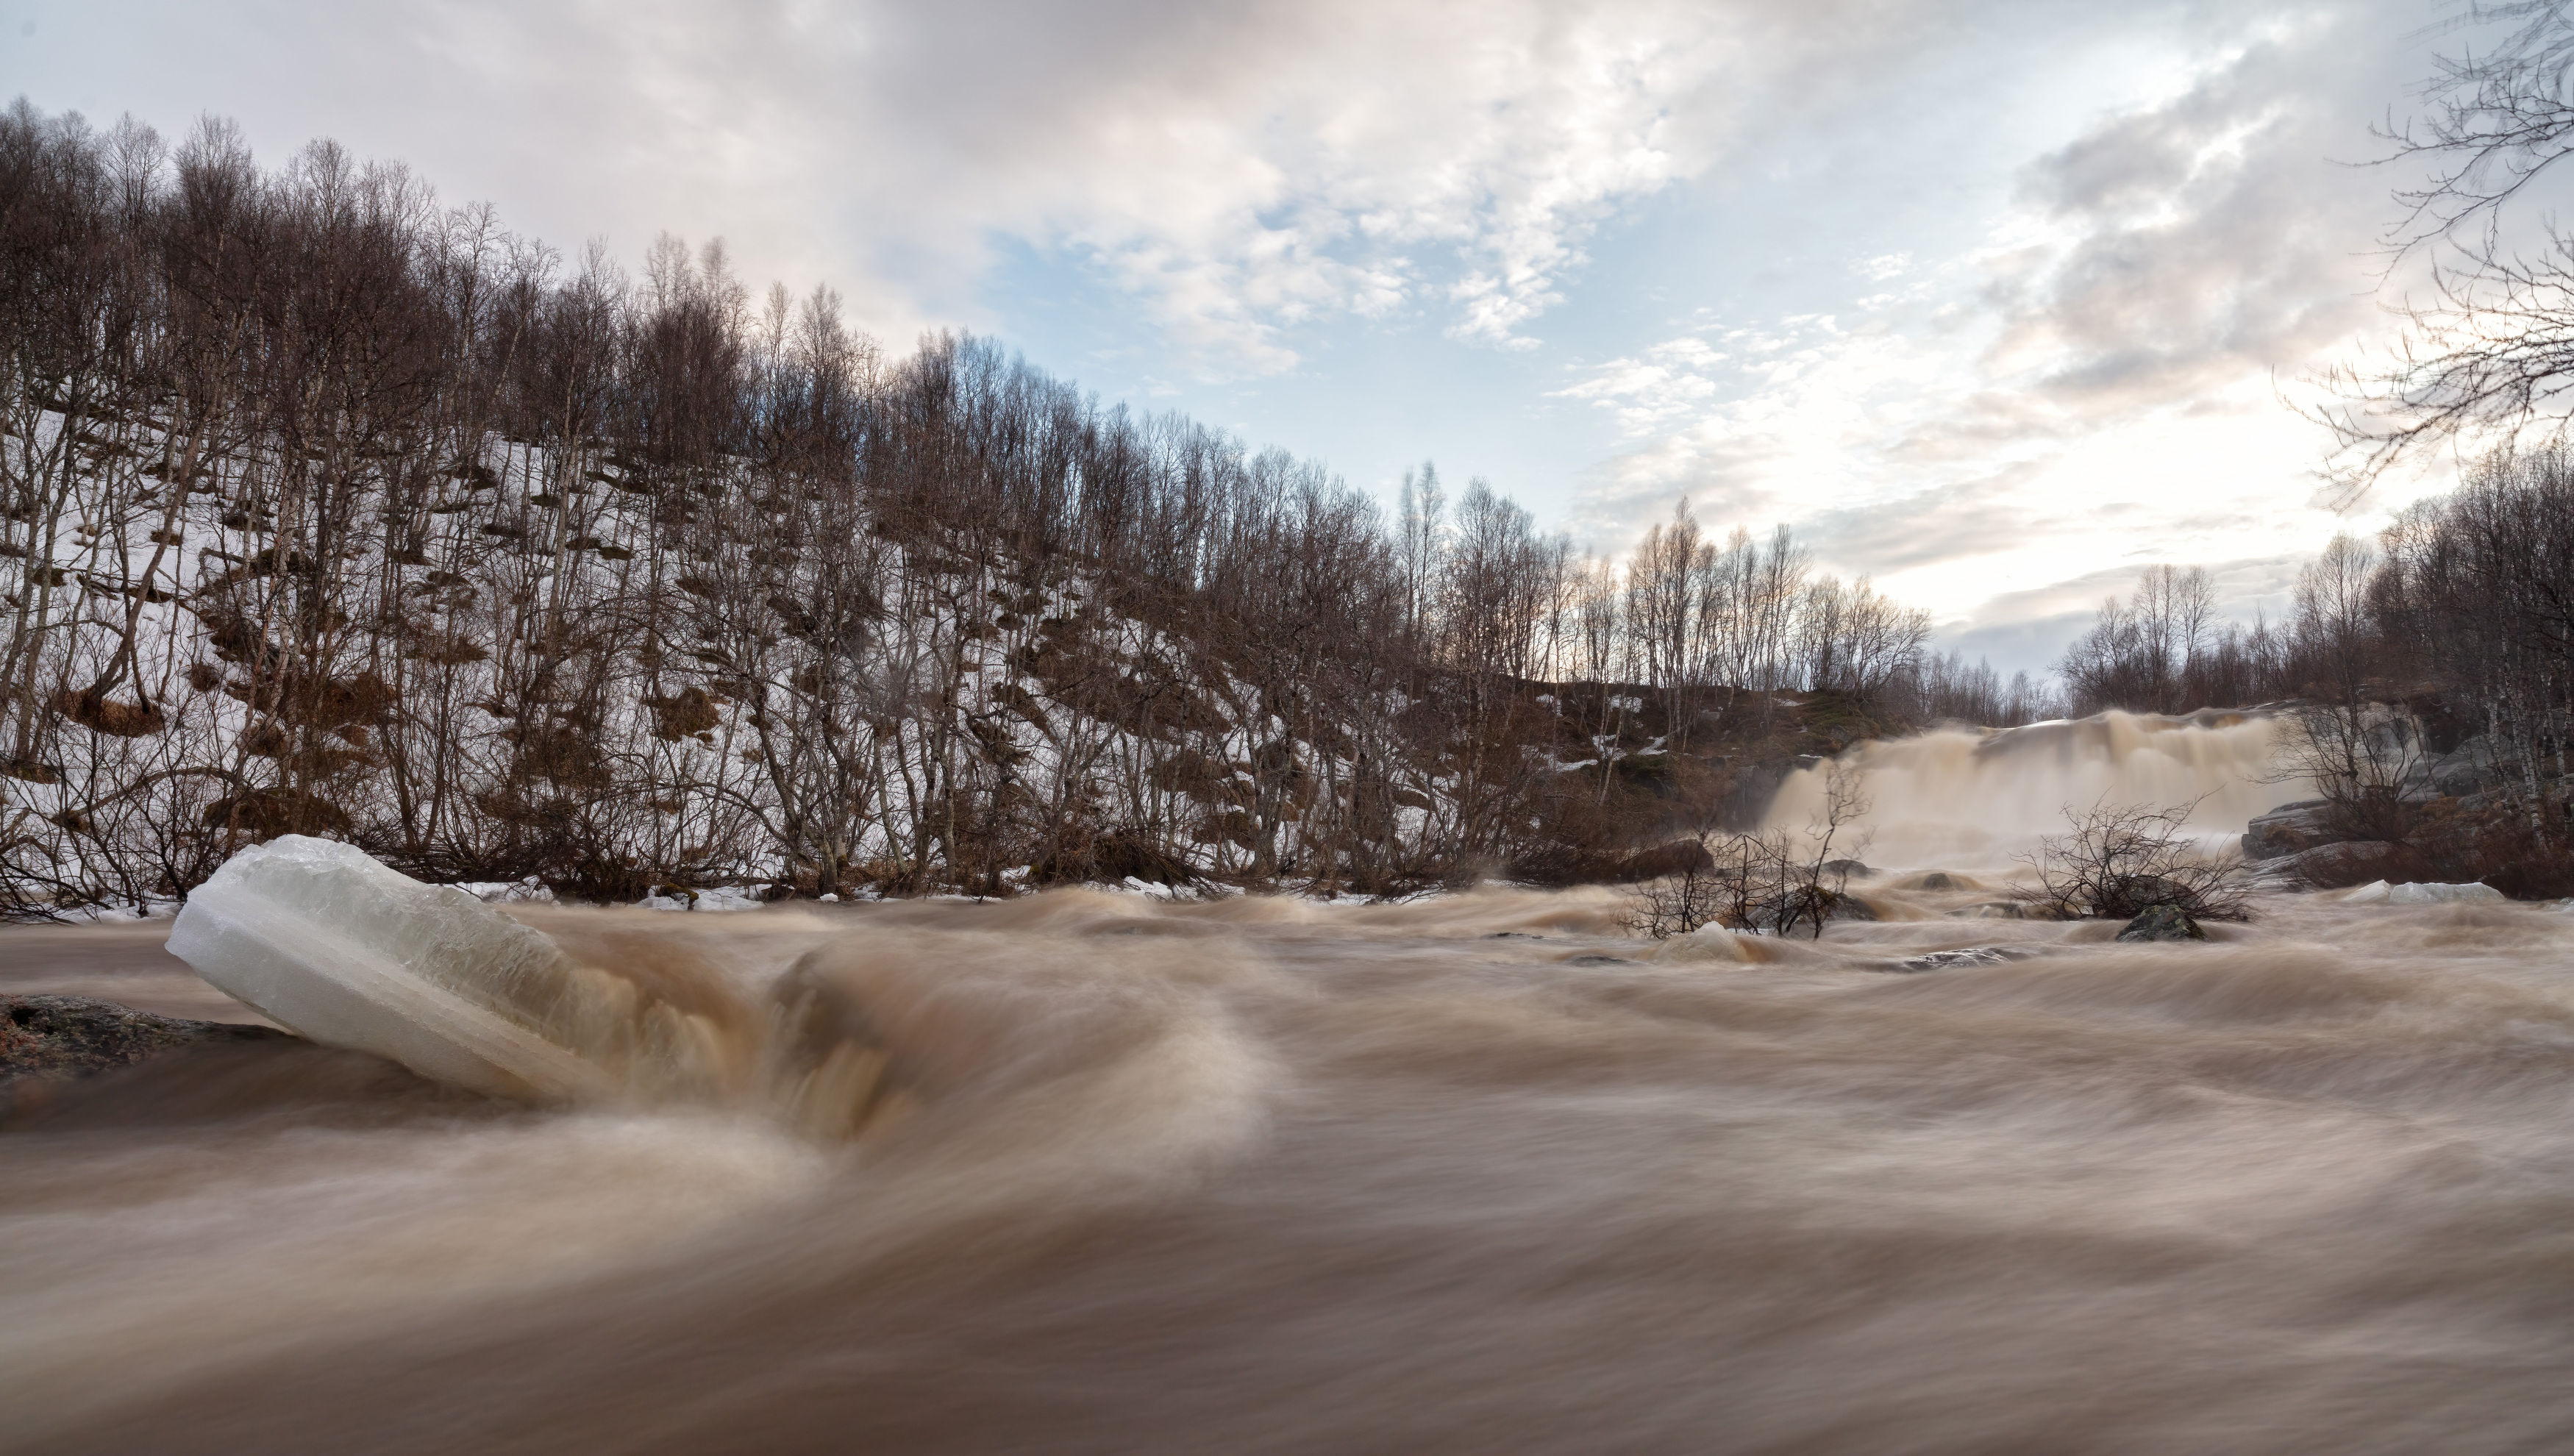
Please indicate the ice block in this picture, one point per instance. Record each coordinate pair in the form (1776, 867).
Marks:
(325, 941)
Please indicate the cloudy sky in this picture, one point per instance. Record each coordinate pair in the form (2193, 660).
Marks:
(1996, 300)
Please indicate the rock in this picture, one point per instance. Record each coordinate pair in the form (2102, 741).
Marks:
(1680, 857)
(2331, 866)
(1600, 960)
(1847, 907)
(2162, 922)
(2472, 766)
(1937, 879)
(1847, 868)
(2289, 828)
(1951, 960)
(1992, 911)
(60, 1036)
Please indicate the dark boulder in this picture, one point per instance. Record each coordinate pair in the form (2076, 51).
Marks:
(2162, 922)
(1847, 868)
(2289, 828)
(1680, 857)
(1847, 906)
(2471, 767)
(63, 1037)
(2333, 866)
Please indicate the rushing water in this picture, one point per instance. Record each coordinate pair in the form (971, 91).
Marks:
(1960, 798)
(1479, 1173)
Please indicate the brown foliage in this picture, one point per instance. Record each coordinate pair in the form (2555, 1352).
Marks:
(265, 813)
(100, 714)
(690, 711)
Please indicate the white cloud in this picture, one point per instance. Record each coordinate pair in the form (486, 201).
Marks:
(2091, 386)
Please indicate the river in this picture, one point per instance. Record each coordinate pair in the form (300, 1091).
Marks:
(1475, 1173)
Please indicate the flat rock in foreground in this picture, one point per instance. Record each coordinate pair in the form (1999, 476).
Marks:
(64, 1036)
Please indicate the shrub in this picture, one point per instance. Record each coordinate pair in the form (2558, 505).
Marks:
(2122, 859)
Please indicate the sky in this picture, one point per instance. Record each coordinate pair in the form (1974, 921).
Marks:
(1996, 302)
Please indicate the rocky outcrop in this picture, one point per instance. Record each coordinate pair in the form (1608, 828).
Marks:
(2331, 866)
(1680, 857)
(2471, 767)
(2290, 828)
(66, 1037)
(2162, 922)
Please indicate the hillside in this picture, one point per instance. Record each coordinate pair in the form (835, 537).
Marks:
(336, 512)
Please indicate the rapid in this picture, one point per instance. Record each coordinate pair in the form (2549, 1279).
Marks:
(1477, 1172)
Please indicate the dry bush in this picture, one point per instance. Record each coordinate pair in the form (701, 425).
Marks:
(2122, 859)
(1768, 881)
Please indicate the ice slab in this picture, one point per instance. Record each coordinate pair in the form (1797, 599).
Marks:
(323, 940)
(2379, 892)
(2433, 893)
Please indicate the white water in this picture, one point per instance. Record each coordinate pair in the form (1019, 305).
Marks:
(1963, 799)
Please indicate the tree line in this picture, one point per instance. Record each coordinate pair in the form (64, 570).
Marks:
(2426, 675)
(333, 510)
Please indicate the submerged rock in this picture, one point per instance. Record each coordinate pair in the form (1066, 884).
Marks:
(2162, 922)
(62, 1036)
(1990, 910)
(1951, 960)
(1847, 906)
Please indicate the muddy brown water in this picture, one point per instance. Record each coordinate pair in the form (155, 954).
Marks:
(1263, 1175)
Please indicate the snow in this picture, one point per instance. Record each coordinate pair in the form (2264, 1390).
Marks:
(723, 898)
(529, 890)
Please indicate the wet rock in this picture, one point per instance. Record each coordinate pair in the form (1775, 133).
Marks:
(2331, 866)
(2289, 828)
(1600, 960)
(1847, 907)
(1992, 911)
(1847, 868)
(1951, 960)
(2471, 767)
(67, 1036)
(2162, 922)
(1680, 857)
